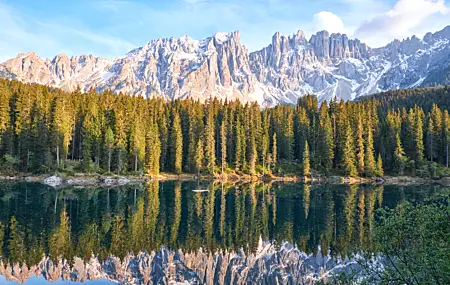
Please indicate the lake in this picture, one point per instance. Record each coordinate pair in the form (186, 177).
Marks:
(163, 232)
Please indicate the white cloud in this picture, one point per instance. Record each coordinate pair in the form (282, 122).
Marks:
(329, 22)
(405, 18)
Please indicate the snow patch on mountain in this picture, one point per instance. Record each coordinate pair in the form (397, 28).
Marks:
(220, 66)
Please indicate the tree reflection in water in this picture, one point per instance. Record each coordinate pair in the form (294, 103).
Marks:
(37, 220)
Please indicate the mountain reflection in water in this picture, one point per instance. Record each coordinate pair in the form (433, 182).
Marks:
(118, 226)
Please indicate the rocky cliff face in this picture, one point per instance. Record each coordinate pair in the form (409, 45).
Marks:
(220, 66)
(267, 266)
(335, 66)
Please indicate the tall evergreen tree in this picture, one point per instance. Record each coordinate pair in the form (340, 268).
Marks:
(348, 159)
(325, 150)
(431, 140)
(223, 145)
(306, 162)
(5, 96)
(109, 142)
(118, 243)
(446, 137)
(60, 246)
(369, 156)
(210, 143)
(360, 146)
(239, 145)
(153, 149)
(138, 144)
(199, 156)
(16, 243)
(379, 170)
(302, 132)
(418, 136)
(120, 134)
(274, 149)
(176, 144)
(399, 158)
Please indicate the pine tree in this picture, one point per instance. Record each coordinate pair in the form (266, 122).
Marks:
(274, 150)
(431, 140)
(118, 243)
(153, 150)
(418, 136)
(61, 128)
(399, 158)
(4, 111)
(16, 246)
(438, 144)
(199, 156)
(265, 143)
(286, 150)
(240, 145)
(195, 131)
(138, 144)
(325, 150)
(163, 138)
(109, 142)
(86, 145)
(369, 156)
(120, 135)
(348, 160)
(361, 148)
(59, 243)
(306, 162)
(392, 129)
(176, 144)
(2, 238)
(252, 155)
(210, 142)
(302, 132)
(379, 168)
(446, 137)
(223, 145)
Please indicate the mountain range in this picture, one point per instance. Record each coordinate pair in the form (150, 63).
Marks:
(268, 265)
(221, 66)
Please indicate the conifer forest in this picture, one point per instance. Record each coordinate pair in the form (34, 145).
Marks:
(44, 130)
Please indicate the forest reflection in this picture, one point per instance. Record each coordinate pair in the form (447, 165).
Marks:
(36, 220)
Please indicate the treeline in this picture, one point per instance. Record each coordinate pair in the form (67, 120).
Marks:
(408, 98)
(45, 130)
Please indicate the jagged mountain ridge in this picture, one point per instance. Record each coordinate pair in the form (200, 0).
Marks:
(268, 265)
(220, 66)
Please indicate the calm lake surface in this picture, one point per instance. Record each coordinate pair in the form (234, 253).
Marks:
(116, 221)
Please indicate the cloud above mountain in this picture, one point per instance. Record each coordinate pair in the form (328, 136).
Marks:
(401, 20)
(328, 21)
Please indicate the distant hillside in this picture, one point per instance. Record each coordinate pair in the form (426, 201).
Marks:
(422, 97)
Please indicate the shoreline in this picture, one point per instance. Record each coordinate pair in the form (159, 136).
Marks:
(83, 179)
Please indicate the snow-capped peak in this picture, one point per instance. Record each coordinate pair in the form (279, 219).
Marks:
(222, 37)
(220, 66)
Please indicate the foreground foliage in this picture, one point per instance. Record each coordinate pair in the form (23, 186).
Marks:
(412, 243)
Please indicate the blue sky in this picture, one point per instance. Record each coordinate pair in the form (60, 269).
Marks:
(110, 28)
